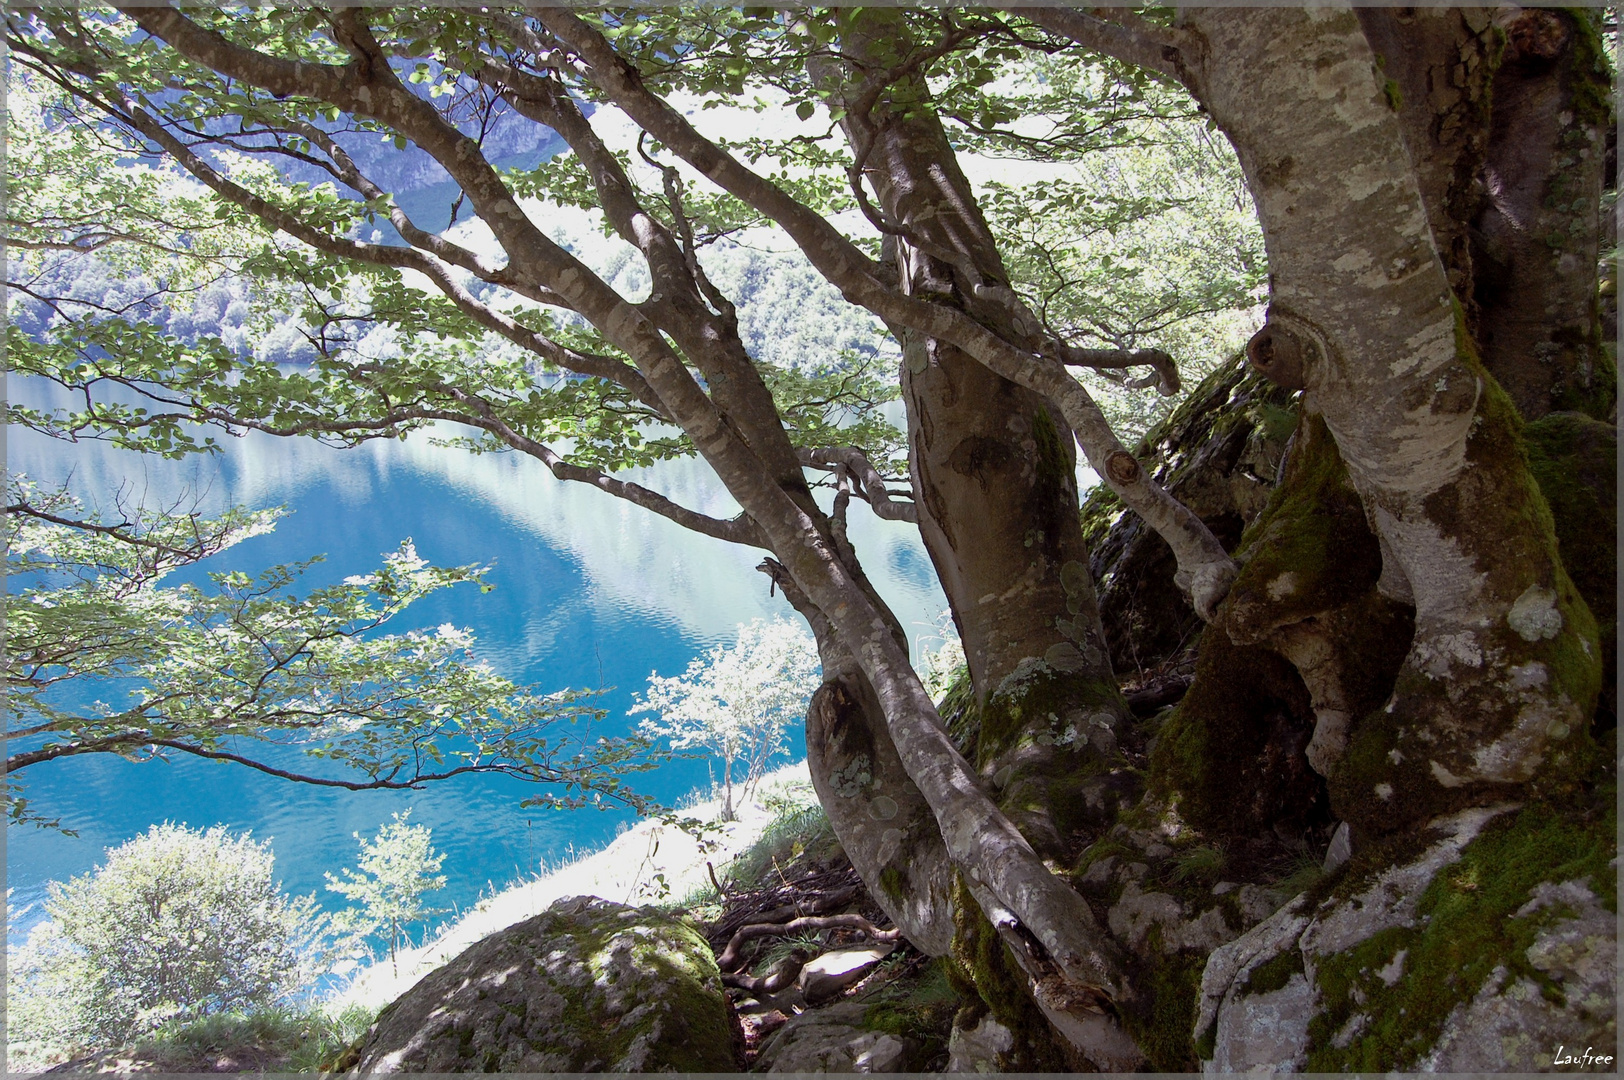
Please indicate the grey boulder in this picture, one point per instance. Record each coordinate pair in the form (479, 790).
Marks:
(833, 1040)
(586, 986)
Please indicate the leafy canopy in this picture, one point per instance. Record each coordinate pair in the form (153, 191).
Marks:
(201, 670)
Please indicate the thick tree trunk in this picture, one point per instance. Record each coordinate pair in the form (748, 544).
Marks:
(884, 824)
(993, 467)
(1503, 670)
(1436, 66)
(1506, 114)
(1538, 231)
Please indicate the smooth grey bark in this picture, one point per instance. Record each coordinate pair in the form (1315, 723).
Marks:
(992, 464)
(980, 840)
(993, 472)
(1437, 65)
(1503, 668)
(884, 824)
(993, 467)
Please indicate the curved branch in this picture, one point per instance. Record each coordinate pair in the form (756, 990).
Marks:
(871, 483)
(138, 740)
(1205, 568)
(1166, 379)
(434, 269)
(284, 77)
(454, 254)
(738, 530)
(119, 532)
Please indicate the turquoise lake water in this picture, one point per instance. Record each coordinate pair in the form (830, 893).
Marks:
(590, 592)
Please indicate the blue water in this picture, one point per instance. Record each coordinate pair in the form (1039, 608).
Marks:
(590, 592)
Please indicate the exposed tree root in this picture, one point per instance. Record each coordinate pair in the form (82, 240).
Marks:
(733, 956)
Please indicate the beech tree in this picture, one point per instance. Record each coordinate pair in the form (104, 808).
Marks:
(1427, 184)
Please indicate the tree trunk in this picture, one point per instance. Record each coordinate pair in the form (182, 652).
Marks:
(727, 790)
(1506, 115)
(1503, 671)
(993, 467)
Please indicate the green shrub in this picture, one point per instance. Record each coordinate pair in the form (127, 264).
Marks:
(177, 923)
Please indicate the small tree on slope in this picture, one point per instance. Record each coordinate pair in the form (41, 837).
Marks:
(398, 867)
(736, 701)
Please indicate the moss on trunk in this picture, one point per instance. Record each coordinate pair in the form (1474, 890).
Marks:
(999, 982)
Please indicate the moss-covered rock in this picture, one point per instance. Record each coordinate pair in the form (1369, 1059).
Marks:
(1232, 753)
(1490, 941)
(1459, 730)
(586, 986)
(1218, 453)
(836, 1039)
(1574, 459)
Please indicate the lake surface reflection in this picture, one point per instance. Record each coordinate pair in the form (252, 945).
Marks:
(590, 592)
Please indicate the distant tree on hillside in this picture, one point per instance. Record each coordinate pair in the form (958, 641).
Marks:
(736, 701)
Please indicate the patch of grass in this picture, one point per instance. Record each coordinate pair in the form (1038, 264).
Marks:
(779, 948)
(1161, 1025)
(795, 831)
(1274, 974)
(1301, 874)
(921, 1009)
(1198, 864)
(276, 1039)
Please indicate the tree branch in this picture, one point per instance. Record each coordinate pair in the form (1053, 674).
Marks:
(871, 484)
(1205, 569)
(738, 530)
(732, 956)
(1124, 36)
(1166, 377)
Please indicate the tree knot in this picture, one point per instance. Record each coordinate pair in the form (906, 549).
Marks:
(1285, 349)
(1121, 467)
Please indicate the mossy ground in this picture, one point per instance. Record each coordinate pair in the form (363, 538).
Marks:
(1467, 929)
(1215, 753)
